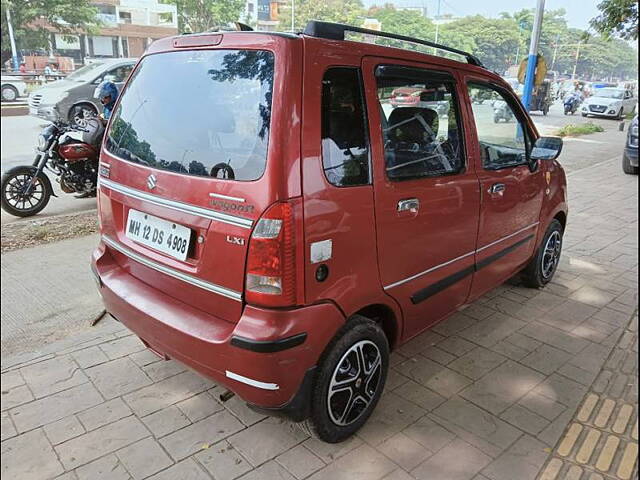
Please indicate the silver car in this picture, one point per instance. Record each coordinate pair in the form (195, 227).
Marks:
(12, 88)
(72, 99)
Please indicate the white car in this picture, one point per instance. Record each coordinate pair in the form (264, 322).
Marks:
(609, 102)
(12, 88)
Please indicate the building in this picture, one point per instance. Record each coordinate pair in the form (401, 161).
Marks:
(127, 27)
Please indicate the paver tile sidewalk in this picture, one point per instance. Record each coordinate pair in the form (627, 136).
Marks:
(493, 392)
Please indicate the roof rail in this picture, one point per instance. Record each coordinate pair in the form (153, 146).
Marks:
(336, 31)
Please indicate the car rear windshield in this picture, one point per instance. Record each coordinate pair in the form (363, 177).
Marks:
(204, 113)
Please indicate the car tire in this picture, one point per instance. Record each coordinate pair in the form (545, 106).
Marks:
(335, 416)
(620, 114)
(627, 167)
(9, 93)
(584, 115)
(79, 113)
(543, 265)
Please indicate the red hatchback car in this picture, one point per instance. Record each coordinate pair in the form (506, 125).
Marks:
(271, 220)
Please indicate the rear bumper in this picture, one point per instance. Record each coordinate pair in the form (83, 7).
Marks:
(265, 357)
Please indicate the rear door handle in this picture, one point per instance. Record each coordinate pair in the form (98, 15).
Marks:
(497, 188)
(409, 205)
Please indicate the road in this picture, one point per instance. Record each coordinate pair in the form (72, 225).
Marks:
(19, 136)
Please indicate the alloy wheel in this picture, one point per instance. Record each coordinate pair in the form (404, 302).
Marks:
(354, 382)
(18, 197)
(551, 254)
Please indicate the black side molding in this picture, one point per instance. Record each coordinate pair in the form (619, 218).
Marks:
(437, 287)
(502, 253)
(423, 294)
(268, 346)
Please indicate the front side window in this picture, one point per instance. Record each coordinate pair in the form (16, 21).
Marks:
(201, 112)
(345, 150)
(502, 138)
(421, 132)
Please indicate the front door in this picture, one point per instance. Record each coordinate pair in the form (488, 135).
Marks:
(426, 192)
(511, 189)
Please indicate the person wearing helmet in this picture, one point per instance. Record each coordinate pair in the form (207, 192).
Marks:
(107, 94)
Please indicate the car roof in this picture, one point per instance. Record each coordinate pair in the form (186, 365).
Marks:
(231, 38)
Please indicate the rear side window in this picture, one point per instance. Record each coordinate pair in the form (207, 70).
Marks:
(204, 113)
(420, 123)
(345, 149)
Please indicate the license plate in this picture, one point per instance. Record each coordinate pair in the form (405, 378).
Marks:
(159, 234)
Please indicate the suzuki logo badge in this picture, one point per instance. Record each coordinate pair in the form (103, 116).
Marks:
(152, 181)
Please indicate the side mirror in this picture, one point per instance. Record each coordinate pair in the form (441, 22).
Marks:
(546, 148)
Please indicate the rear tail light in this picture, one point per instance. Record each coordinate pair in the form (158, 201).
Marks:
(271, 275)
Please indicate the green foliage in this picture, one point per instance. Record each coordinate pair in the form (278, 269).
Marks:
(496, 41)
(339, 11)
(574, 130)
(196, 16)
(617, 18)
(65, 16)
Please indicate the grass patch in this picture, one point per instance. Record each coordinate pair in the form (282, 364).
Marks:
(573, 130)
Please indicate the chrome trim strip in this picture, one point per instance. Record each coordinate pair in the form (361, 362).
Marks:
(449, 262)
(180, 206)
(227, 197)
(418, 275)
(252, 382)
(147, 262)
(507, 237)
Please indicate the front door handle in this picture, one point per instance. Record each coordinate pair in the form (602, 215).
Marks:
(497, 188)
(409, 205)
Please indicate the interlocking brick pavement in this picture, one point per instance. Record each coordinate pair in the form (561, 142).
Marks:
(492, 392)
(602, 439)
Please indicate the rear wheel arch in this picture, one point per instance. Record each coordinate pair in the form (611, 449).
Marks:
(385, 317)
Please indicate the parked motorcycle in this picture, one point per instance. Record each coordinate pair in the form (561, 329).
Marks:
(571, 103)
(26, 189)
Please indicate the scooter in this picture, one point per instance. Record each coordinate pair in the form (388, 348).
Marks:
(571, 103)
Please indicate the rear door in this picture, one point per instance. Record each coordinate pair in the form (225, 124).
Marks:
(511, 192)
(185, 159)
(426, 192)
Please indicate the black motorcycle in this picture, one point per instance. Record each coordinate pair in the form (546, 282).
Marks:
(26, 189)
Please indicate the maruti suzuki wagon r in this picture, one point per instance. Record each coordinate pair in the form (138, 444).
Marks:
(271, 217)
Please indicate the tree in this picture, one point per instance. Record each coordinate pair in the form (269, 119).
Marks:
(32, 21)
(617, 18)
(496, 40)
(340, 11)
(196, 16)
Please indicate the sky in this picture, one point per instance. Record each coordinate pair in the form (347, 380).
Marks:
(579, 12)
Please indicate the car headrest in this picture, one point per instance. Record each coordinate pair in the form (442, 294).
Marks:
(413, 124)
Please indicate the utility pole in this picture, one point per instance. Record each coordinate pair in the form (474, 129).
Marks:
(519, 38)
(533, 55)
(437, 25)
(293, 17)
(555, 51)
(14, 53)
(575, 65)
